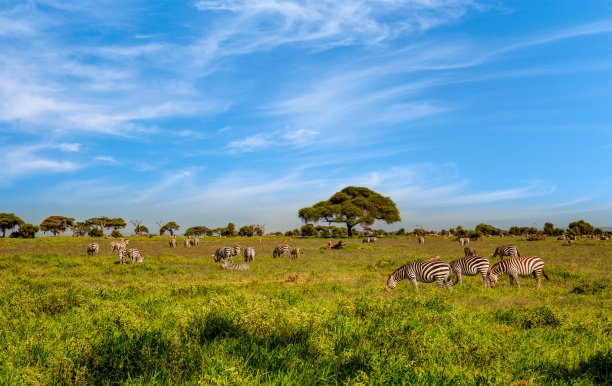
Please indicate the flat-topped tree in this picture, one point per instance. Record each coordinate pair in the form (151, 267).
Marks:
(56, 224)
(9, 221)
(100, 222)
(352, 206)
(170, 227)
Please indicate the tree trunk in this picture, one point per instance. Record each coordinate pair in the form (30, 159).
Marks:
(3, 232)
(349, 228)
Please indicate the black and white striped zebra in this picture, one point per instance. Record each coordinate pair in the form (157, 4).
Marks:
(238, 266)
(471, 266)
(506, 250)
(123, 254)
(469, 251)
(195, 241)
(172, 242)
(135, 256)
(464, 241)
(517, 266)
(116, 245)
(369, 239)
(236, 250)
(223, 253)
(421, 240)
(295, 253)
(281, 250)
(93, 248)
(423, 271)
(249, 254)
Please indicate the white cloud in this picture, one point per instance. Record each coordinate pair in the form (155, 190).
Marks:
(72, 147)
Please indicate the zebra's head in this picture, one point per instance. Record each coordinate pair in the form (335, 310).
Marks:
(492, 278)
(391, 283)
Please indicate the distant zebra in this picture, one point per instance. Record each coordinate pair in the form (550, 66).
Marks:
(123, 254)
(125, 242)
(518, 266)
(172, 242)
(115, 245)
(93, 248)
(464, 241)
(369, 239)
(471, 266)
(223, 253)
(469, 251)
(195, 241)
(249, 254)
(506, 250)
(236, 250)
(421, 240)
(423, 271)
(238, 266)
(135, 255)
(281, 249)
(295, 253)
(187, 242)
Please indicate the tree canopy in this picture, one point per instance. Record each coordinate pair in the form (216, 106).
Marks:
(199, 230)
(170, 227)
(56, 224)
(9, 221)
(352, 206)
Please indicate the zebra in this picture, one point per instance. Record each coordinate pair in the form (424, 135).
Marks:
(93, 248)
(236, 250)
(421, 240)
(135, 255)
(249, 254)
(369, 239)
(115, 245)
(223, 253)
(122, 255)
(295, 253)
(238, 266)
(517, 266)
(126, 242)
(281, 249)
(469, 251)
(506, 250)
(172, 242)
(187, 242)
(471, 266)
(423, 271)
(464, 241)
(195, 241)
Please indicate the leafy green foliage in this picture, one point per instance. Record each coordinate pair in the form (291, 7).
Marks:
(116, 234)
(26, 231)
(56, 224)
(9, 221)
(581, 227)
(199, 230)
(246, 231)
(352, 206)
(169, 227)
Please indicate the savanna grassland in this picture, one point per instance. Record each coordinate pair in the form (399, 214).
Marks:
(70, 318)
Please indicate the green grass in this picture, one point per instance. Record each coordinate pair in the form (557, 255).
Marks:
(68, 318)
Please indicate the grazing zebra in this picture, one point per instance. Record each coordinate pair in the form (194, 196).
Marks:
(464, 241)
(123, 254)
(281, 249)
(195, 241)
(518, 266)
(295, 253)
(172, 242)
(135, 255)
(369, 239)
(115, 245)
(238, 266)
(471, 266)
(236, 250)
(249, 254)
(469, 251)
(421, 240)
(93, 248)
(223, 253)
(423, 271)
(506, 250)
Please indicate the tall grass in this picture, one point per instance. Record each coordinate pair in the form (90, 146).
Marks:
(69, 318)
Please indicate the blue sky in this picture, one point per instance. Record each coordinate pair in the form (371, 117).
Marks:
(216, 111)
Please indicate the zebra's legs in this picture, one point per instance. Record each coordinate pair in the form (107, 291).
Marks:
(515, 277)
(414, 283)
(485, 280)
(536, 275)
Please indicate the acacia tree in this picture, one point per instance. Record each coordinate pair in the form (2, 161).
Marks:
(199, 230)
(9, 221)
(100, 222)
(170, 227)
(56, 224)
(352, 206)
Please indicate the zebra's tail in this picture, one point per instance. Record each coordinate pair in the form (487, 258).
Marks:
(545, 275)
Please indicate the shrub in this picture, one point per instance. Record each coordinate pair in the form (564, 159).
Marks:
(95, 232)
(116, 234)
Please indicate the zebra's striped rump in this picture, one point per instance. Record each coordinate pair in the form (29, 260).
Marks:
(93, 248)
(223, 253)
(470, 266)
(518, 266)
(281, 250)
(423, 271)
(249, 254)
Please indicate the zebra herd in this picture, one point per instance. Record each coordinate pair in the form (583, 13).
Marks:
(122, 252)
(449, 274)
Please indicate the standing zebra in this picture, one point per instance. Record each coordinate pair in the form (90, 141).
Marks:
(295, 253)
(369, 239)
(471, 266)
(238, 266)
(195, 241)
(223, 253)
(421, 240)
(93, 248)
(281, 249)
(423, 271)
(506, 250)
(115, 245)
(469, 251)
(249, 254)
(236, 250)
(187, 242)
(135, 255)
(518, 266)
(122, 255)
(464, 241)
(172, 242)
